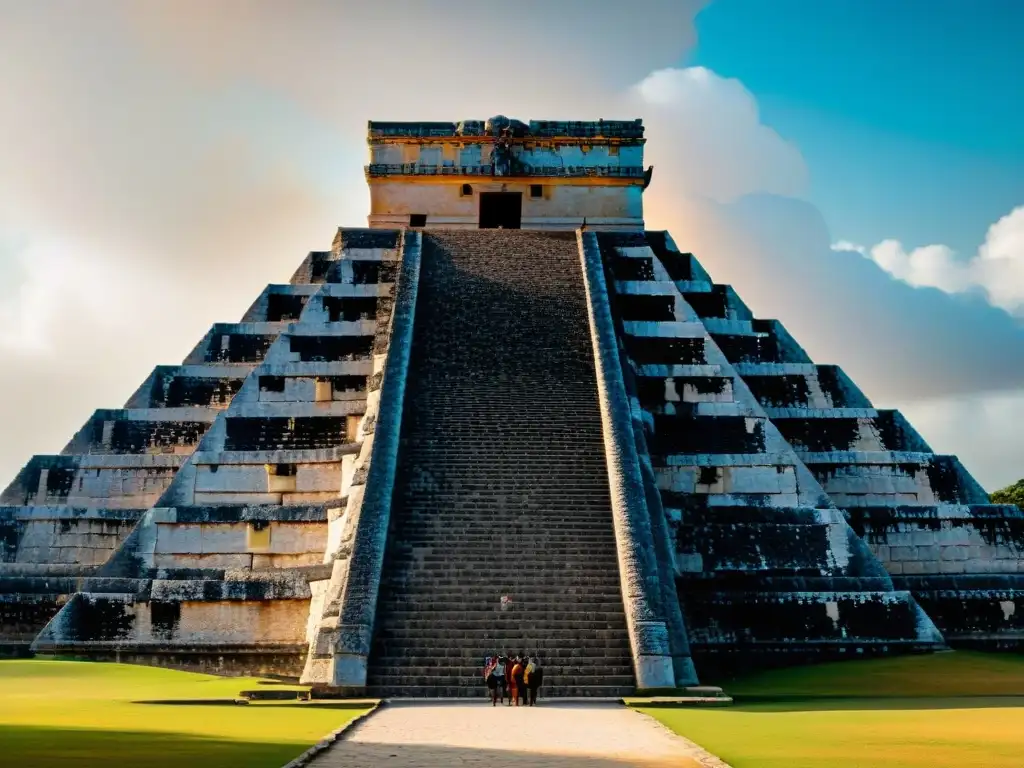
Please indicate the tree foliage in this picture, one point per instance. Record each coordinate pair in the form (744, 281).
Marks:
(1012, 494)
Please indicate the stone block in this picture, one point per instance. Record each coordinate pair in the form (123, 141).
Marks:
(227, 478)
(760, 480)
(237, 498)
(677, 479)
(955, 552)
(318, 477)
(198, 560)
(903, 553)
(242, 622)
(271, 560)
(226, 538)
(315, 497)
(962, 535)
(985, 565)
(654, 672)
(295, 538)
(689, 563)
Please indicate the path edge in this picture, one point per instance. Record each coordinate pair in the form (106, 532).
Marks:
(329, 740)
(696, 751)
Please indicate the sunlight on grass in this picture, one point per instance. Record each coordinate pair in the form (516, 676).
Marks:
(63, 713)
(939, 711)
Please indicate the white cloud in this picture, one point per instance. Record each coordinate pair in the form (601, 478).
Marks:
(997, 269)
(55, 283)
(979, 429)
(707, 134)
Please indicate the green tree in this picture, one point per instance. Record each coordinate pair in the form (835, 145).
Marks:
(1012, 494)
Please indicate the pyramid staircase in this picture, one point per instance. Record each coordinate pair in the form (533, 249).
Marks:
(502, 486)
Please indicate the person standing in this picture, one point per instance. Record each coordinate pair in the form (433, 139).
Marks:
(536, 678)
(527, 677)
(519, 676)
(509, 682)
(492, 679)
(513, 681)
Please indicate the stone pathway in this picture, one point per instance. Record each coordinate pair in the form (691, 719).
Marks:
(570, 735)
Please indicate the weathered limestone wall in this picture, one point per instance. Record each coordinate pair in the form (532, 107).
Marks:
(70, 536)
(243, 634)
(950, 539)
(464, 153)
(564, 204)
(93, 480)
(44, 552)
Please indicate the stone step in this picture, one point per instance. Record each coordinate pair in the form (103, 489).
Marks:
(548, 691)
(408, 676)
(558, 531)
(540, 576)
(568, 518)
(541, 637)
(486, 599)
(485, 538)
(533, 574)
(566, 660)
(471, 660)
(481, 621)
(520, 558)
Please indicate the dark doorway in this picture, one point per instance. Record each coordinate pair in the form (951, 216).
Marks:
(501, 209)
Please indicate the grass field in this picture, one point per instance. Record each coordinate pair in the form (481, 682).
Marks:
(962, 710)
(62, 713)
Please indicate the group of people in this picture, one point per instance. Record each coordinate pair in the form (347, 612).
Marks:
(517, 677)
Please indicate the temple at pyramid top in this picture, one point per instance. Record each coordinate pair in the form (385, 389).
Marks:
(504, 173)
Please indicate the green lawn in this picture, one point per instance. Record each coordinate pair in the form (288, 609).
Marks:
(962, 710)
(65, 713)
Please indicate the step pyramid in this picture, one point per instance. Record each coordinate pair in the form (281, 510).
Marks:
(344, 485)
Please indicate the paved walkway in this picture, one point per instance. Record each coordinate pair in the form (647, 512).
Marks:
(566, 735)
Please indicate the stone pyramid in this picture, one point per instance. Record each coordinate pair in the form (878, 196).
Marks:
(441, 442)
(235, 515)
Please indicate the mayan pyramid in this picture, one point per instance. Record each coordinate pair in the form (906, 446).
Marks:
(502, 418)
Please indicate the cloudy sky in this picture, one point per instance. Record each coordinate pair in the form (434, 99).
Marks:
(854, 167)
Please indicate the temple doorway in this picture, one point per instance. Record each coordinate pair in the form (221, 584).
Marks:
(501, 210)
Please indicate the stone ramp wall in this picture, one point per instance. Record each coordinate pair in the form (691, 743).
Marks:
(342, 614)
